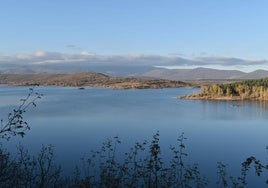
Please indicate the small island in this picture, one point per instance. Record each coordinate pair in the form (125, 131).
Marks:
(243, 90)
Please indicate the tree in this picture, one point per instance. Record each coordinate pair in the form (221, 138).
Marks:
(15, 124)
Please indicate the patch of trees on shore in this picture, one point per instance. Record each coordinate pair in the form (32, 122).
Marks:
(244, 90)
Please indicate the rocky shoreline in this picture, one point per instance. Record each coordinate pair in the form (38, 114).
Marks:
(216, 98)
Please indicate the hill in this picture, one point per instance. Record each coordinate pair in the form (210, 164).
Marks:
(204, 73)
(130, 70)
(88, 79)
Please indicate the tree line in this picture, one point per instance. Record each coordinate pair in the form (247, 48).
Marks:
(248, 89)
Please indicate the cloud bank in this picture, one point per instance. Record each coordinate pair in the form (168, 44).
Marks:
(44, 57)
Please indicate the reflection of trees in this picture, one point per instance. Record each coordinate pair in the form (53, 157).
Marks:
(263, 105)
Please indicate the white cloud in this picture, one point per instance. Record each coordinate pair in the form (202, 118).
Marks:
(23, 56)
(87, 53)
(40, 53)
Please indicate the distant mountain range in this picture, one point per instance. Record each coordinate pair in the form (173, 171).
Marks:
(204, 73)
(132, 70)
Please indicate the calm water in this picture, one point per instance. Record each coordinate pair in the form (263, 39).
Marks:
(75, 121)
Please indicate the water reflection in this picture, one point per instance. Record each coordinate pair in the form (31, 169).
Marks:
(75, 121)
(235, 109)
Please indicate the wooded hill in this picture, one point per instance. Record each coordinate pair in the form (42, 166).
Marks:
(243, 90)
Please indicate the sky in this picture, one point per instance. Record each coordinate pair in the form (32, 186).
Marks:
(189, 29)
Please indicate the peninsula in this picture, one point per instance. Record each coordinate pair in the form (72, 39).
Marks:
(243, 90)
(91, 79)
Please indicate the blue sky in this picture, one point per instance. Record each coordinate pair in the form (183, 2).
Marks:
(186, 28)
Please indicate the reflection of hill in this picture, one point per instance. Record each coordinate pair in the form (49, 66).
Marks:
(88, 79)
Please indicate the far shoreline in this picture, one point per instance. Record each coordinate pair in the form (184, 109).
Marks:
(89, 79)
(99, 87)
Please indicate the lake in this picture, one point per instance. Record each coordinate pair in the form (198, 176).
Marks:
(76, 121)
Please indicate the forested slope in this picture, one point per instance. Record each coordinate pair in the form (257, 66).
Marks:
(243, 90)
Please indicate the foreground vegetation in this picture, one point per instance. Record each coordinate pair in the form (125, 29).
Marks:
(142, 166)
(244, 90)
